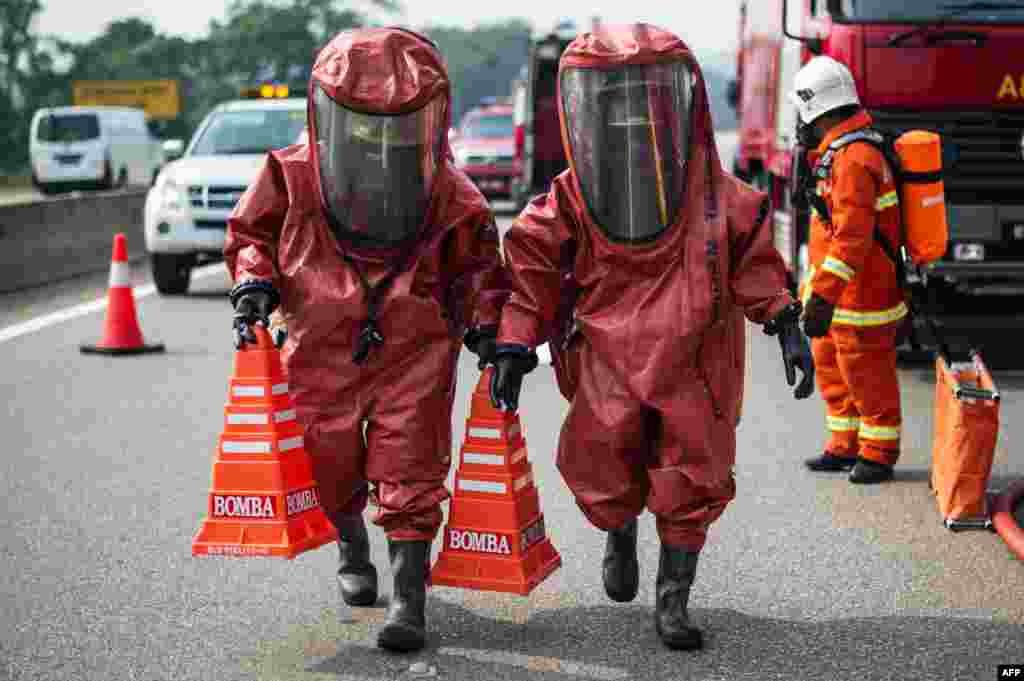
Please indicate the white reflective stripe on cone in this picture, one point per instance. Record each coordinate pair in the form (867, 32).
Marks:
(290, 443)
(248, 419)
(235, 447)
(482, 486)
(491, 433)
(286, 415)
(248, 391)
(280, 388)
(120, 275)
(523, 482)
(487, 459)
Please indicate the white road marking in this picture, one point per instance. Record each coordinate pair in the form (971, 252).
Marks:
(16, 330)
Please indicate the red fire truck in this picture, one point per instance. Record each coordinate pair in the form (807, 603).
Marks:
(952, 66)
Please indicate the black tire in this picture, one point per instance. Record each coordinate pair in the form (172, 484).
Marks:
(122, 179)
(171, 272)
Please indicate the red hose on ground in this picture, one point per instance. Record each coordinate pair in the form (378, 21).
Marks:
(1004, 521)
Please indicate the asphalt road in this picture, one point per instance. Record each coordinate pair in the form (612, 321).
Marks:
(107, 466)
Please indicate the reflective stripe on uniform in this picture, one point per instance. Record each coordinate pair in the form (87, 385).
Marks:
(842, 423)
(887, 200)
(878, 432)
(872, 318)
(839, 268)
(805, 295)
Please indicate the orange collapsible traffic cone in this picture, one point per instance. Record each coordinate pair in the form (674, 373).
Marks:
(495, 538)
(121, 333)
(263, 500)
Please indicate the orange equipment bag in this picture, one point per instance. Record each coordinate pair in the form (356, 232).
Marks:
(966, 428)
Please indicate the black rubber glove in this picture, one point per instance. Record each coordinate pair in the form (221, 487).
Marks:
(796, 350)
(481, 341)
(818, 316)
(511, 363)
(253, 302)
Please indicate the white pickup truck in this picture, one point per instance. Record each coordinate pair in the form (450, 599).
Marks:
(187, 209)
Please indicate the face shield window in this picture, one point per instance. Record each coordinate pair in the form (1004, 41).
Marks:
(377, 171)
(629, 135)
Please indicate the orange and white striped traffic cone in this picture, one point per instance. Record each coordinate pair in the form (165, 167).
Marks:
(121, 332)
(495, 538)
(263, 500)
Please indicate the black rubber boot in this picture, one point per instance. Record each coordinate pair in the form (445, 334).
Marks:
(868, 472)
(621, 571)
(676, 570)
(830, 463)
(405, 628)
(357, 577)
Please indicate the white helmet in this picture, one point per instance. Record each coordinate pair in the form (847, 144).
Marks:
(822, 85)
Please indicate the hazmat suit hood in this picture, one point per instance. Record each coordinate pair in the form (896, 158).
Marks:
(378, 113)
(638, 134)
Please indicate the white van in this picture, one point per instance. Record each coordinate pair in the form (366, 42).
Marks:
(92, 147)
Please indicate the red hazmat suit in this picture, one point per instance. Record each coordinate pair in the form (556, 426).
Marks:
(654, 366)
(387, 421)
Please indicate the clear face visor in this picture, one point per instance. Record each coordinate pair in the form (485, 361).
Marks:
(377, 171)
(629, 134)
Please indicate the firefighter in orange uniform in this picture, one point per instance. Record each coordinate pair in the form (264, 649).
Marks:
(853, 304)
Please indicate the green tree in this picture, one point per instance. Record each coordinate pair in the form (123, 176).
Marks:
(27, 79)
(482, 62)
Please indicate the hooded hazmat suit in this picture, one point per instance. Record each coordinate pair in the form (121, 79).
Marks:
(653, 365)
(381, 249)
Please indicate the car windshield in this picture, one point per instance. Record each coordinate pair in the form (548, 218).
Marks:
(488, 127)
(923, 11)
(250, 132)
(68, 128)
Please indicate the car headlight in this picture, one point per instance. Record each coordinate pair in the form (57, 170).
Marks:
(172, 198)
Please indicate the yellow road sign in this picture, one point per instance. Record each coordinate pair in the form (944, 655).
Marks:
(159, 98)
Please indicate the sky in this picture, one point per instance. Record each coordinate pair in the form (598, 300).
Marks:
(703, 24)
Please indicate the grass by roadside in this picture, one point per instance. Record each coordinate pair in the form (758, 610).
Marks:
(15, 181)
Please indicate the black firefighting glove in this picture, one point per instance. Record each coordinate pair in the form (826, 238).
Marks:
(796, 350)
(253, 302)
(481, 341)
(511, 363)
(818, 316)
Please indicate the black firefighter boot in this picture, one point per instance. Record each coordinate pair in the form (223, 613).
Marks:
(357, 576)
(405, 628)
(621, 570)
(676, 571)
